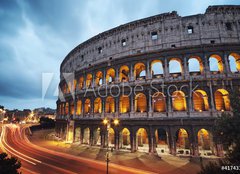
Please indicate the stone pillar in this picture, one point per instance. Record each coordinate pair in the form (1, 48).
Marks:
(81, 135)
(212, 97)
(93, 80)
(91, 137)
(148, 71)
(75, 107)
(103, 107)
(194, 151)
(152, 141)
(117, 140)
(133, 141)
(132, 99)
(206, 65)
(150, 103)
(117, 75)
(84, 81)
(186, 67)
(172, 142)
(227, 69)
(92, 107)
(83, 108)
(102, 138)
(104, 77)
(131, 72)
(116, 106)
(166, 68)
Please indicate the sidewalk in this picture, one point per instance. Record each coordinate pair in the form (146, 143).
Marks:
(167, 164)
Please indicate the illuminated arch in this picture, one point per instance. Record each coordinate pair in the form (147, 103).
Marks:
(200, 101)
(182, 139)
(110, 76)
(124, 104)
(87, 106)
(234, 62)
(111, 139)
(98, 78)
(125, 138)
(89, 80)
(222, 100)
(179, 101)
(77, 134)
(161, 138)
(156, 67)
(81, 82)
(159, 103)
(140, 103)
(124, 73)
(195, 64)
(175, 65)
(98, 105)
(142, 140)
(110, 105)
(215, 63)
(139, 70)
(204, 140)
(79, 107)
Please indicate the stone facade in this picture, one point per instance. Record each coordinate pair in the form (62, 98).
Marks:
(107, 68)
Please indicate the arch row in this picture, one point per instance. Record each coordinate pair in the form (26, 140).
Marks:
(172, 67)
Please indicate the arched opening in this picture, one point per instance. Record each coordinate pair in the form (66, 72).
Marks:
(140, 103)
(79, 107)
(156, 68)
(110, 76)
(110, 105)
(222, 100)
(195, 65)
(142, 140)
(124, 104)
(139, 71)
(97, 137)
(81, 82)
(234, 62)
(87, 106)
(159, 103)
(69, 87)
(200, 101)
(111, 139)
(215, 64)
(125, 139)
(86, 136)
(182, 142)
(175, 66)
(204, 142)
(98, 78)
(89, 80)
(77, 134)
(161, 141)
(124, 73)
(98, 105)
(179, 101)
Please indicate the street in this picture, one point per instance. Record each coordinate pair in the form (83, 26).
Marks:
(36, 159)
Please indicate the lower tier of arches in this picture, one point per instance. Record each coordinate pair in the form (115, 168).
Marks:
(176, 137)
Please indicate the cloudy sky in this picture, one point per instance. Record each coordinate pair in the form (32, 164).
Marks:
(35, 36)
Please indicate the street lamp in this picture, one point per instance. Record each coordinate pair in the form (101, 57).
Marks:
(107, 123)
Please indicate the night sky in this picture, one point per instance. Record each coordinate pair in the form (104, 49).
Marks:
(36, 35)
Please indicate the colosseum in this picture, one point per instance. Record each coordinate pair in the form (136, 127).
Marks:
(159, 83)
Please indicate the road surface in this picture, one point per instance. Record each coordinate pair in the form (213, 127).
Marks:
(40, 160)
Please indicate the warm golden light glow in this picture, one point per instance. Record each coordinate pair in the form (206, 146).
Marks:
(105, 121)
(124, 73)
(179, 101)
(116, 122)
(222, 100)
(138, 69)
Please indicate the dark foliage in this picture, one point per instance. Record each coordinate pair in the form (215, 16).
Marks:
(9, 165)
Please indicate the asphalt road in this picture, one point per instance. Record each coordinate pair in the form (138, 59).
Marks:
(36, 159)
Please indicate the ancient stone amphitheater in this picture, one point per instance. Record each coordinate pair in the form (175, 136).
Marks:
(165, 78)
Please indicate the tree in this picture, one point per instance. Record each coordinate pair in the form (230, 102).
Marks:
(9, 165)
(227, 129)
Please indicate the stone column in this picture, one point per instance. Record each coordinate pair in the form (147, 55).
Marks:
(150, 112)
(212, 97)
(91, 137)
(116, 106)
(194, 151)
(83, 108)
(104, 77)
(92, 107)
(103, 107)
(117, 75)
(148, 71)
(133, 141)
(166, 68)
(186, 68)
(152, 141)
(75, 107)
(227, 69)
(93, 80)
(206, 65)
(172, 142)
(81, 135)
(132, 99)
(84, 81)
(131, 73)
(117, 140)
